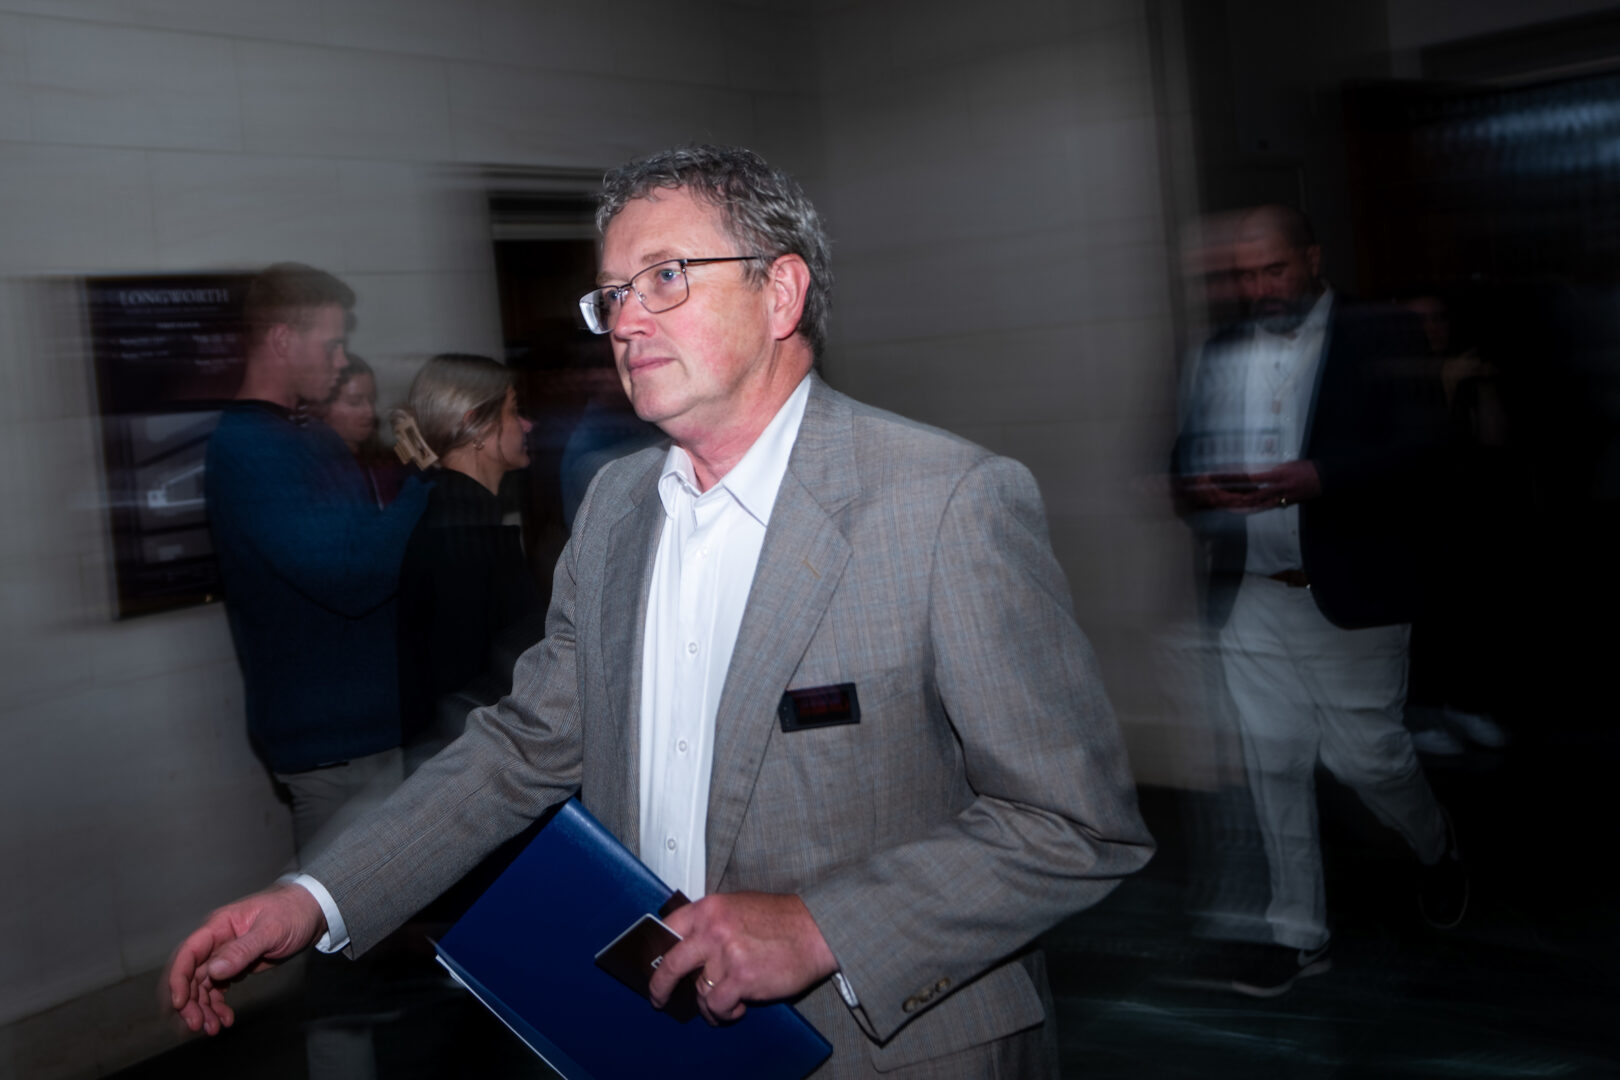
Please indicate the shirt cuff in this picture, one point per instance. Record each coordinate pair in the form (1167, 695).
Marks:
(336, 937)
(846, 991)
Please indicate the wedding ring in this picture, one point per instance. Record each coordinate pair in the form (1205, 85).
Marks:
(710, 982)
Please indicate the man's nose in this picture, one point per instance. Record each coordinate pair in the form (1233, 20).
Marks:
(633, 317)
(1260, 290)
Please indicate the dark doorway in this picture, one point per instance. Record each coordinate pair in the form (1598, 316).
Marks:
(545, 259)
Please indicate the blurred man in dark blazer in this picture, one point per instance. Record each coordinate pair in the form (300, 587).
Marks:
(1305, 466)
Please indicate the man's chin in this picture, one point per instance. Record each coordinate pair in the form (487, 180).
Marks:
(652, 402)
(658, 418)
(646, 406)
(1279, 322)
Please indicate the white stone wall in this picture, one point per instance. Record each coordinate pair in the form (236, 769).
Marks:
(995, 196)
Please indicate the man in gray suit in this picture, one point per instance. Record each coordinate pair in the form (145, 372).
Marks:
(815, 663)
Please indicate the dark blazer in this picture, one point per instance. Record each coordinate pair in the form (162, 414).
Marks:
(1376, 431)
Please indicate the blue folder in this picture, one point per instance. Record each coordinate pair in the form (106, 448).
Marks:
(527, 949)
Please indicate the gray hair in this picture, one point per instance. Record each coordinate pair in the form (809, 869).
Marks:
(764, 209)
(454, 399)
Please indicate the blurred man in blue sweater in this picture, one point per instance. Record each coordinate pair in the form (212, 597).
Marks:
(309, 563)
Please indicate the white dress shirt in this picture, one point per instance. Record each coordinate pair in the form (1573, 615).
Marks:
(707, 554)
(1279, 380)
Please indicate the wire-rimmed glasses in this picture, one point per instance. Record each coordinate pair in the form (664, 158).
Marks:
(659, 287)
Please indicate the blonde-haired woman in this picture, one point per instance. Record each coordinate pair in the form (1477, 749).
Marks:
(467, 602)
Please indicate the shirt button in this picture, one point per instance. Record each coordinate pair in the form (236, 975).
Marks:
(670, 843)
(691, 646)
(681, 746)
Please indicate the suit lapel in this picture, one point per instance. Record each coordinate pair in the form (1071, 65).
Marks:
(632, 547)
(799, 566)
(1330, 343)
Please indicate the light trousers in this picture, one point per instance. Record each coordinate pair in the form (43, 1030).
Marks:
(338, 1043)
(327, 801)
(1307, 691)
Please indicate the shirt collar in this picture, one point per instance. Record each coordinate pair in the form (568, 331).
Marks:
(754, 481)
(1314, 323)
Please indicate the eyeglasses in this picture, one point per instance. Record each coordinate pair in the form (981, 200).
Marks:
(659, 287)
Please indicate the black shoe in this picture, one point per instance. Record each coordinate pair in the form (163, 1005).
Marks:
(1443, 887)
(1272, 969)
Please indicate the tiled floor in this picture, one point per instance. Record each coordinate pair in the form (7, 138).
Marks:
(1527, 987)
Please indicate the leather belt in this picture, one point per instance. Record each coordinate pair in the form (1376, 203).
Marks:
(1294, 579)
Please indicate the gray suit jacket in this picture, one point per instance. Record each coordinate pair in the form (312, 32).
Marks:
(983, 796)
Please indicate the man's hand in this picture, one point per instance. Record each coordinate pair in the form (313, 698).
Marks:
(252, 934)
(1289, 483)
(1247, 493)
(1211, 491)
(744, 947)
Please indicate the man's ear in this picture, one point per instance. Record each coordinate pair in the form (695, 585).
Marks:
(1313, 259)
(789, 285)
(279, 338)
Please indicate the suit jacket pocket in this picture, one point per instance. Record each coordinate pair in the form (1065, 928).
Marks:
(875, 689)
(1000, 1003)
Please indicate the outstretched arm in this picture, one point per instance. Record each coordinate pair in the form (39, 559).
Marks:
(250, 935)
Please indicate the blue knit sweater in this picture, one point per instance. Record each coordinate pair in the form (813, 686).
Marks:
(309, 567)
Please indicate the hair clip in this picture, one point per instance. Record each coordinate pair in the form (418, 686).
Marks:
(409, 445)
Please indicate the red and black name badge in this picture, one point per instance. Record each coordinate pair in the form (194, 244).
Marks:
(819, 707)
